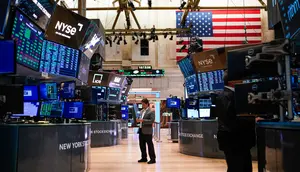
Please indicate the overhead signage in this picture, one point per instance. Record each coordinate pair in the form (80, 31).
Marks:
(117, 81)
(208, 61)
(99, 78)
(140, 73)
(290, 16)
(68, 30)
(145, 67)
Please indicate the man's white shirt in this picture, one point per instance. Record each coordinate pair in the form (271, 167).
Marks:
(143, 114)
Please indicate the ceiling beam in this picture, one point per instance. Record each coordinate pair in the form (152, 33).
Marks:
(172, 8)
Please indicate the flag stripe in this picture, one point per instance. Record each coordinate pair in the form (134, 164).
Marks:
(227, 28)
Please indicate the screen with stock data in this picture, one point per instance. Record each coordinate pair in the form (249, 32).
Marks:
(59, 59)
(39, 11)
(52, 109)
(48, 91)
(186, 67)
(211, 81)
(29, 41)
(113, 94)
(30, 109)
(191, 84)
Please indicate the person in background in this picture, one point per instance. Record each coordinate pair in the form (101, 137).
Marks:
(145, 132)
(236, 135)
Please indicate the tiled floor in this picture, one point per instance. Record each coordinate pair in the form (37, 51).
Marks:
(123, 158)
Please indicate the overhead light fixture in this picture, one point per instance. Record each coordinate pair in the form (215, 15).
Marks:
(153, 39)
(150, 3)
(137, 41)
(165, 35)
(116, 37)
(130, 4)
(182, 48)
(133, 38)
(118, 43)
(182, 5)
(144, 35)
(171, 38)
(106, 42)
(135, 34)
(156, 37)
(125, 42)
(181, 41)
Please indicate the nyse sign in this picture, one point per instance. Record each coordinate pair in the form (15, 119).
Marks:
(208, 62)
(66, 30)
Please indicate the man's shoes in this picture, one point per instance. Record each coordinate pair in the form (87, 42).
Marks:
(152, 162)
(142, 160)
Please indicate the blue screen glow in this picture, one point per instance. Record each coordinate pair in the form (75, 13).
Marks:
(31, 93)
(191, 84)
(210, 81)
(30, 109)
(53, 109)
(48, 91)
(73, 110)
(59, 59)
(67, 90)
(173, 103)
(7, 57)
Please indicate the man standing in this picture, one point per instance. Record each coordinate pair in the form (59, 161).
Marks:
(145, 132)
(236, 135)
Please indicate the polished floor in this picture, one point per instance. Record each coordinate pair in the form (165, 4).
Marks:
(123, 158)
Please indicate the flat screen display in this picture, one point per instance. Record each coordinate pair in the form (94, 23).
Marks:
(31, 93)
(48, 91)
(173, 103)
(113, 94)
(31, 109)
(39, 11)
(116, 81)
(273, 13)
(12, 97)
(186, 67)
(204, 113)
(52, 109)
(290, 16)
(4, 11)
(84, 68)
(211, 81)
(205, 103)
(67, 90)
(99, 78)
(123, 98)
(7, 57)
(92, 40)
(73, 110)
(191, 84)
(59, 59)
(192, 113)
(67, 28)
(29, 40)
(295, 78)
(124, 112)
(98, 93)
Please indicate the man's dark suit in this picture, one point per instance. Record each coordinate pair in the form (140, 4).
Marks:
(145, 134)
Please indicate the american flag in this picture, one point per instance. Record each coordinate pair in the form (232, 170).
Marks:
(219, 28)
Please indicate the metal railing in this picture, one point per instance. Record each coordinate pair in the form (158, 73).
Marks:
(156, 133)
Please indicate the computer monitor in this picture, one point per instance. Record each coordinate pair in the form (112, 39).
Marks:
(73, 110)
(7, 56)
(53, 109)
(192, 113)
(204, 113)
(186, 67)
(263, 107)
(39, 11)
(29, 39)
(125, 112)
(113, 94)
(67, 90)
(98, 94)
(84, 93)
(173, 103)
(59, 59)
(191, 84)
(48, 91)
(84, 68)
(295, 78)
(11, 99)
(192, 103)
(31, 93)
(31, 109)
(236, 65)
(211, 81)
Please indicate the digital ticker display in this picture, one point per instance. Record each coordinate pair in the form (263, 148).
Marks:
(39, 11)
(191, 84)
(140, 73)
(290, 16)
(210, 81)
(59, 59)
(29, 40)
(186, 67)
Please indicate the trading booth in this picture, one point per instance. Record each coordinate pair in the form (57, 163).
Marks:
(265, 78)
(47, 104)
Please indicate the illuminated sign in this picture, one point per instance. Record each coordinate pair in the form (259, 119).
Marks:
(97, 78)
(66, 28)
(140, 73)
(145, 67)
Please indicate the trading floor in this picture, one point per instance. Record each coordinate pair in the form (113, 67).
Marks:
(123, 158)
